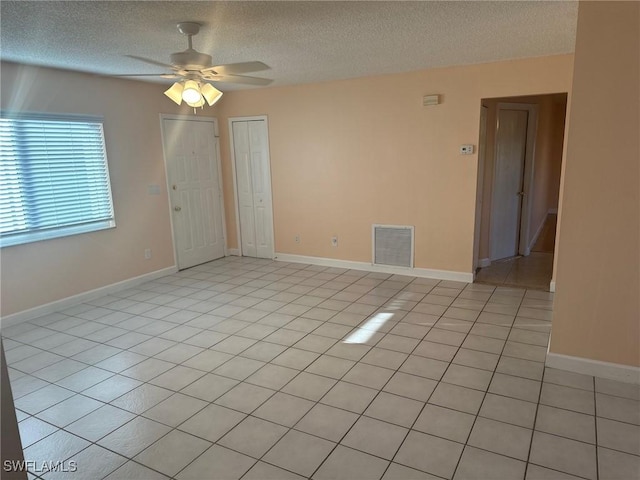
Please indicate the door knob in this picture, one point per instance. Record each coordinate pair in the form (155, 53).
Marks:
(177, 209)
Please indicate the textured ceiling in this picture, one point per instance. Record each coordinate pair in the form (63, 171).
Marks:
(302, 42)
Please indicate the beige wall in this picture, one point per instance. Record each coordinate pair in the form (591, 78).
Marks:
(547, 162)
(347, 154)
(597, 306)
(344, 155)
(38, 273)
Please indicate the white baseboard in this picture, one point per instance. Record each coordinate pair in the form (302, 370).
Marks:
(552, 286)
(233, 252)
(416, 272)
(596, 368)
(484, 262)
(67, 302)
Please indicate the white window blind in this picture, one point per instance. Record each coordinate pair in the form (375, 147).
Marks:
(54, 178)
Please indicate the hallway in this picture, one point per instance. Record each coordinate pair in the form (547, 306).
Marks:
(533, 271)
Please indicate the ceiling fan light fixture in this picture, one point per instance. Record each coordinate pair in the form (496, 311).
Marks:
(194, 69)
(199, 103)
(211, 93)
(175, 92)
(191, 93)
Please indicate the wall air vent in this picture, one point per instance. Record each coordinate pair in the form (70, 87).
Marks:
(393, 245)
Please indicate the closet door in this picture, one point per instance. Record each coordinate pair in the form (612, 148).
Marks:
(253, 187)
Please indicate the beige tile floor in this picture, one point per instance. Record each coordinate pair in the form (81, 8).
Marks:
(533, 271)
(253, 369)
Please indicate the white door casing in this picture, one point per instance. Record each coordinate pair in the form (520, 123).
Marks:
(482, 148)
(191, 152)
(244, 188)
(252, 172)
(508, 185)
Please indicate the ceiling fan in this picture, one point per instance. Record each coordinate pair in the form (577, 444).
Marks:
(194, 69)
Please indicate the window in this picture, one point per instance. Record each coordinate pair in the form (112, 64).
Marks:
(54, 179)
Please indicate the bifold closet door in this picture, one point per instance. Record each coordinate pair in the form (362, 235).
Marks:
(253, 187)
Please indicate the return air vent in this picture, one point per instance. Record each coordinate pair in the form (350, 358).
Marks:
(393, 245)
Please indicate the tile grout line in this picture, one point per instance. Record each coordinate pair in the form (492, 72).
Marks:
(360, 415)
(535, 422)
(595, 420)
(477, 415)
(241, 352)
(249, 414)
(380, 390)
(256, 408)
(251, 323)
(441, 381)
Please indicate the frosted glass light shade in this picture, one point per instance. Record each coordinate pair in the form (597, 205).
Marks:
(199, 103)
(175, 92)
(211, 93)
(191, 93)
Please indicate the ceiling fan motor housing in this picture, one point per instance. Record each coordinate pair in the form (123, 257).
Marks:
(193, 65)
(191, 60)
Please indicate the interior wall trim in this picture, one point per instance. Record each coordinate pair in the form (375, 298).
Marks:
(538, 232)
(63, 303)
(596, 368)
(368, 267)
(484, 262)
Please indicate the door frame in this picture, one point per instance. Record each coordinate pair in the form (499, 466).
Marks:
(527, 183)
(191, 118)
(235, 180)
(482, 149)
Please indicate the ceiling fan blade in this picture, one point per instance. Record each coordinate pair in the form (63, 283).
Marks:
(150, 61)
(236, 68)
(239, 79)
(163, 75)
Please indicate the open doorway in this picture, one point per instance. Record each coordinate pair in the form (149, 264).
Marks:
(519, 164)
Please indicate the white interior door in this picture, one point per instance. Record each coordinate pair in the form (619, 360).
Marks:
(191, 151)
(253, 187)
(508, 184)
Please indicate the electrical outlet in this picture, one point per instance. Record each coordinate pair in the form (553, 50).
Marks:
(147, 253)
(466, 149)
(334, 241)
(297, 238)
